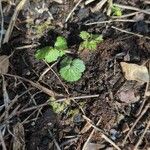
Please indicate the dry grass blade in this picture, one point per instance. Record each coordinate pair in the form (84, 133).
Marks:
(19, 137)
(13, 19)
(128, 32)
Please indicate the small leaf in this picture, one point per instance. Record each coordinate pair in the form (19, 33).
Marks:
(73, 72)
(116, 11)
(85, 35)
(69, 74)
(66, 61)
(78, 65)
(92, 45)
(61, 43)
(41, 53)
(97, 38)
(83, 45)
(52, 55)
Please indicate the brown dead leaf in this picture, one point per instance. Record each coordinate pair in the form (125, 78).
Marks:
(19, 137)
(4, 64)
(135, 72)
(128, 96)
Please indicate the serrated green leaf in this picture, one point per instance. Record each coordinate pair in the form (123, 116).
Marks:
(97, 38)
(73, 71)
(116, 11)
(52, 55)
(85, 35)
(92, 45)
(78, 65)
(83, 45)
(69, 74)
(66, 61)
(41, 53)
(61, 43)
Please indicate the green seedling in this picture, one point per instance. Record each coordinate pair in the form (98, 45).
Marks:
(51, 54)
(90, 41)
(116, 11)
(70, 69)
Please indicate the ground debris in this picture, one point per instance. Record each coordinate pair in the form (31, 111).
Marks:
(135, 72)
(19, 137)
(4, 64)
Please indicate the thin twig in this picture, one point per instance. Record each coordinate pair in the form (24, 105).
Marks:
(13, 20)
(135, 123)
(2, 24)
(132, 33)
(142, 136)
(90, 136)
(102, 134)
(126, 15)
(59, 100)
(64, 86)
(46, 70)
(111, 20)
(2, 141)
(110, 4)
(132, 8)
(37, 85)
(69, 15)
(99, 6)
(54, 140)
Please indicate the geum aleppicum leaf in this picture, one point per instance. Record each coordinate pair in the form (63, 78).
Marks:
(41, 53)
(52, 55)
(78, 65)
(97, 38)
(61, 43)
(73, 71)
(85, 35)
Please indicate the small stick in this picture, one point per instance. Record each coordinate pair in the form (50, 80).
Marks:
(37, 85)
(2, 24)
(128, 32)
(135, 123)
(99, 5)
(65, 87)
(109, 7)
(142, 136)
(59, 100)
(13, 20)
(88, 2)
(54, 140)
(132, 8)
(126, 15)
(101, 132)
(2, 141)
(69, 15)
(116, 20)
(90, 136)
